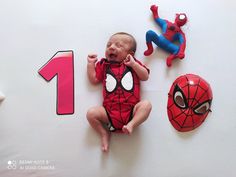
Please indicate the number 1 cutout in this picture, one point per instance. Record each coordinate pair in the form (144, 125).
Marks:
(62, 66)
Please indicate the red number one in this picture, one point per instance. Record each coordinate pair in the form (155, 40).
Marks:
(62, 66)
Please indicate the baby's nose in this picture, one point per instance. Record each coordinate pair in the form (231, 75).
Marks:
(112, 46)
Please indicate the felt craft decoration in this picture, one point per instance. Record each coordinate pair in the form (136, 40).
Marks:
(61, 65)
(189, 102)
(171, 32)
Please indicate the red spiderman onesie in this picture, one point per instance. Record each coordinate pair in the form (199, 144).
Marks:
(121, 91)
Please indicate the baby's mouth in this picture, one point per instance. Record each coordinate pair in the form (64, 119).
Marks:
(112, 56)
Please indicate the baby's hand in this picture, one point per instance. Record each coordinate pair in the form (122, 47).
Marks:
(92, 58)
(129, 61)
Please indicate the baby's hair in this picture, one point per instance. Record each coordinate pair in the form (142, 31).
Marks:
(134, 43)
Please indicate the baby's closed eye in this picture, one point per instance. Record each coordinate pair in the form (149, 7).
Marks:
(118, 45)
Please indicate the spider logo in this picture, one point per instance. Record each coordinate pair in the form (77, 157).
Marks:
(189, 102)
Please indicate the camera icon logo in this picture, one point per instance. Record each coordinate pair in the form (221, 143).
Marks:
(11, 164)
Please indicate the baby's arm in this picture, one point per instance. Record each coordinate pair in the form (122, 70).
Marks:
(139, 69)
(92, 59)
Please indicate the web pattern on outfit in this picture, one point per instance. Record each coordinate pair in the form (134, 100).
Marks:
(121, 95)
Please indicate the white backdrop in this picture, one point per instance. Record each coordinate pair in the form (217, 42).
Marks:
(32, 134)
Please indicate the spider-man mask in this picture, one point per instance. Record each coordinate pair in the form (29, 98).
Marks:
(189, 102)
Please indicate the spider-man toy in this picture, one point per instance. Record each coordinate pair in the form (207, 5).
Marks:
(170, 32)
(189, 102)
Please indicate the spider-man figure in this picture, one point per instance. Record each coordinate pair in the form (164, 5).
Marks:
(189, 102)
(170, 32)
(121, 92)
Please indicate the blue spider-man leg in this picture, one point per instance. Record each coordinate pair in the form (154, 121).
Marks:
(161, 42)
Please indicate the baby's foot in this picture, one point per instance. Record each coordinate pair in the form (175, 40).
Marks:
(105, 141)
(127, 129)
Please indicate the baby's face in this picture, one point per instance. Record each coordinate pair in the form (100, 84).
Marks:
(118, 47)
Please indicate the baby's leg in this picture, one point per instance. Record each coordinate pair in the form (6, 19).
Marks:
(97, 116)
(140, 114)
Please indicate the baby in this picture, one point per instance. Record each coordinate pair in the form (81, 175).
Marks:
(120, 73)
